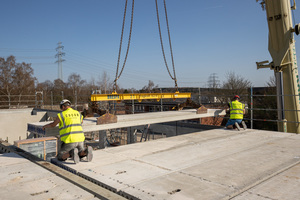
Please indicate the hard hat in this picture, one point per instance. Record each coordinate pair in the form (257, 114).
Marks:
(65, 101)
(236, 96)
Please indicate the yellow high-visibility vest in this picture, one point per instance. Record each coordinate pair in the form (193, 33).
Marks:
(236, 109)
(70, 129)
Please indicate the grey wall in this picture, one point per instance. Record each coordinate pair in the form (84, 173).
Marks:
(13, 123)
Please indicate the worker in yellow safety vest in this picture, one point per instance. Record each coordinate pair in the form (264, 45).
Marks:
(237, 111)
(71, 134)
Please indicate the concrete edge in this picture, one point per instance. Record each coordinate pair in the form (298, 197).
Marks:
(70, 176)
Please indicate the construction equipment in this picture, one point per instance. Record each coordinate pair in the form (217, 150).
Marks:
(284, 64)
(118, 74)
(162, 46)
(138, 96)
(141, 96)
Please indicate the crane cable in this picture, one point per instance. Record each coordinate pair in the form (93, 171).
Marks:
(121, 41)
(162, 46)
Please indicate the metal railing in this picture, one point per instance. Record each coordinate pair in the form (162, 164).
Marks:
(50, 101)
(17, 101)
(39, 100)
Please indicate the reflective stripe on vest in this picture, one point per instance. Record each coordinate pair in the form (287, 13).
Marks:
(70, 128)
(236, 110)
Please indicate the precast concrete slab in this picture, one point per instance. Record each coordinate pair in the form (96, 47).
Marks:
(199, 151)
(148, 148)
(105, 157)
(177, 186)
(22, 179)
(283, 185)
(247, 167)
(214, 164)
(123, 174)
(132, 120)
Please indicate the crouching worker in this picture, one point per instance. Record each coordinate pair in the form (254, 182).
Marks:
(71, 134)
(237, 111)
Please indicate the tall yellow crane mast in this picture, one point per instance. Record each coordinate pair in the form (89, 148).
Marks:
(283, 52)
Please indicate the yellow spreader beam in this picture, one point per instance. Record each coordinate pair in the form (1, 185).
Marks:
(138, 96)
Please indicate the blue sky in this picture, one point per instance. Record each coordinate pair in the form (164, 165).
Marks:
(215, 36)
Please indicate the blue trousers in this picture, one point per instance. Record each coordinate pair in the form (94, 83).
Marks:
(232, 121)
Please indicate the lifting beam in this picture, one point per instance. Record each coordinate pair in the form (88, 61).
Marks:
(138, 96)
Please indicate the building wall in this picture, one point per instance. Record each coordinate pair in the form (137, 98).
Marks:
(215, 121)
(13, 123)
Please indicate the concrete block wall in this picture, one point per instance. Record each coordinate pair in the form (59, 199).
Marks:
(13, 123)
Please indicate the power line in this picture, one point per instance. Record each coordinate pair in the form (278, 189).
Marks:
(34, 57)
(26, 50)
(92, 62)
(88, 63)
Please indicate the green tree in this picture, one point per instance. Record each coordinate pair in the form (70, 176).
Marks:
(235, 85)
(75, 83)
(151, 87)
(16, 78)
(104, 83)
(47, 88)
(60, 91)
(6, 76)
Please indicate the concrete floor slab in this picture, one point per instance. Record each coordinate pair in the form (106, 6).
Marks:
(214, 164)
(104, 158)
(198, 151)
(154, 146)
(247, 167)
(11, 159)
(11, 174)
(283, 186)
(150, 147)
(22, 179)
(124, 174)
(177, 186)
(49, 187)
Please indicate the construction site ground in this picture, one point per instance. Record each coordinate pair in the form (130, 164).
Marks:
(23, 179)
(214, 164)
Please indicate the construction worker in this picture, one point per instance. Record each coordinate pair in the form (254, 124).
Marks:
(237, 111)
(71, 134)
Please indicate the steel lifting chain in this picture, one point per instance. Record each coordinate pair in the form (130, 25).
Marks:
(121, 41)
(162, 46)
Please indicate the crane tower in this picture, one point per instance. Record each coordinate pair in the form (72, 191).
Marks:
(283, 52)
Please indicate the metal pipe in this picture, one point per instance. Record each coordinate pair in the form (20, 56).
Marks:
(251, 111)
(161, 103)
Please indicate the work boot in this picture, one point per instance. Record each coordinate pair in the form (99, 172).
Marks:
(64, 157)
(89, 153)
(229, 127)
(244, 125)
(75, 156)
(237, 126)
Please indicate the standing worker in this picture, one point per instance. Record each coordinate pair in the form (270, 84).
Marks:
(237, 111)
(71, 134)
